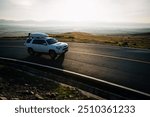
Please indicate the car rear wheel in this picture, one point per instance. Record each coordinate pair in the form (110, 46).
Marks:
(52, 54)
(30, 51)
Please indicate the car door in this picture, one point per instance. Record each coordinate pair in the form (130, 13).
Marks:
(42, 46)
(35, 45)
(39, 45)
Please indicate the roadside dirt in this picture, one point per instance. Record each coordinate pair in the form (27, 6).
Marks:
(17, 85)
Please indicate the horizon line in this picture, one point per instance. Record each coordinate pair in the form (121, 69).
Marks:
(52, 20)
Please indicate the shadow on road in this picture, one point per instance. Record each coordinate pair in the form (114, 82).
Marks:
(46, 60)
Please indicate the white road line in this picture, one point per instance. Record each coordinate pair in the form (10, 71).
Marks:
(82, 75)
(100, 55)
(12, 47)
(113, 57)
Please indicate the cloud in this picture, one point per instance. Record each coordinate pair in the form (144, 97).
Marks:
(99, 10)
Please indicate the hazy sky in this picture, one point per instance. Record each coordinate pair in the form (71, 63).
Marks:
(77, 10)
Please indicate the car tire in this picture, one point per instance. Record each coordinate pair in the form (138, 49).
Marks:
(52, 54)
(31, 51)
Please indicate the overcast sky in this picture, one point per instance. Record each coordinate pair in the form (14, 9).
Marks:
(77, 10)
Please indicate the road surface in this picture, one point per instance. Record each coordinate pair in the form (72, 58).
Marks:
(120, 65)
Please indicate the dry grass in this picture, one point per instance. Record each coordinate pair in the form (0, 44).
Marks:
(137, 41)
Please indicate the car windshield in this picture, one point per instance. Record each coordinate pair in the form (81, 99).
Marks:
(51, 41)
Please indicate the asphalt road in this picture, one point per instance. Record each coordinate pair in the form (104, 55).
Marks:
(124, 66)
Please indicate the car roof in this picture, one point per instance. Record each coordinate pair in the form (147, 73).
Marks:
(38, 34)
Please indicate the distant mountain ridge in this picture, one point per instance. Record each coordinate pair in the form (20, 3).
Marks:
(71, 23)
(27, 22)
(22, 27)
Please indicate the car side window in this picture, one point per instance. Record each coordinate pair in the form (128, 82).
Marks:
(41, 42)
(51, 41)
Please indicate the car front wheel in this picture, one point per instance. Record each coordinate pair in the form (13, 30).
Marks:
(30, 51)
(52, 54)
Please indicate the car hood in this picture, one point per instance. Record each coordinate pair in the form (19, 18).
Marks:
(60, 44)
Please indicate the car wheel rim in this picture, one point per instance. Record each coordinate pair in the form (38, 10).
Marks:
(52, 54)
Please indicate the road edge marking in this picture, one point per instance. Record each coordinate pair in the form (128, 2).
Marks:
(113, 57)
(79, 74)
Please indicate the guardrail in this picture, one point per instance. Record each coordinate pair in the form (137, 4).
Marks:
(93, 85)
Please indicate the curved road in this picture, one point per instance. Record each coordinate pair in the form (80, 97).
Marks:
(124, 66)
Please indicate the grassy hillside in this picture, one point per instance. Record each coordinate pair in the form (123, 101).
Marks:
(137, 40)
